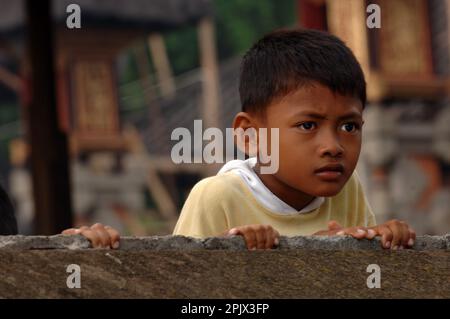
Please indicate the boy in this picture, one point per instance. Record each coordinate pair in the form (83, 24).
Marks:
(309, 85)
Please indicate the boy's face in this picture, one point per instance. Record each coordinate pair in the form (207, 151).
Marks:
(319, 140)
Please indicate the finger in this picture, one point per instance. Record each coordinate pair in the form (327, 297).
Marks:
(271, 236)
(74, 231)
(233, 232)
(260, 237)
(334, 225)
(250, 238)
(396, 234)
(405, 235)
(386, 236)
(103, 235)
(358, 233)
(114, 235)
(71, 231)
(276, 238)
(340, 233)
(92, 236)
(371, 234)
(412, 237)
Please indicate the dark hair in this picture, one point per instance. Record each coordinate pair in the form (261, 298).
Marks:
(8, 224)
(286, 60)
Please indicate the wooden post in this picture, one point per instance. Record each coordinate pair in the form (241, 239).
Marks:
(49, 155)
(162, 64)
(210, 81)
(210, 73)
(312, 14)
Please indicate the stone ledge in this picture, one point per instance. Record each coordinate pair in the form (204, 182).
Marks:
(183, 267)
(214, 243)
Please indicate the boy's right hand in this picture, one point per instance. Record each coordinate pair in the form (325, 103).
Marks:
(100, 236)
(256, 236)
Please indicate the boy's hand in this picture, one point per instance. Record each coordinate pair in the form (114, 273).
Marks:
(335, 229)
(395, 234)
(100, 236)
(256, 236)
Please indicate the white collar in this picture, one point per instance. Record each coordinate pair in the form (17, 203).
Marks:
(263, 195)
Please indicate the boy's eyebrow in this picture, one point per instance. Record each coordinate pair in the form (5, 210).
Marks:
(320, 116)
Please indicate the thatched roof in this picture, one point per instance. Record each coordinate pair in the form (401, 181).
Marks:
(152, 15)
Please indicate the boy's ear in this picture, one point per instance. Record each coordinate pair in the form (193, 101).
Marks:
(246, 133)
(243, 120)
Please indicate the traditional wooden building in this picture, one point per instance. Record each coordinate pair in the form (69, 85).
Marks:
(87, 97)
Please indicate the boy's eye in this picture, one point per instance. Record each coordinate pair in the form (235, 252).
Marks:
(350, 127)
(307, 126)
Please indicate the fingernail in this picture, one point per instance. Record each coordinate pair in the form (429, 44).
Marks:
(411, 242)
(253, 248)
(388, 244)
(276, 241)
(361, 231)
(371, 232)
(77, 231)
(116, 245)
(232, 231)
(340, 233)
(395, 247)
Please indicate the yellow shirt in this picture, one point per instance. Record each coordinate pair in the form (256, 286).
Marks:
(221, 202)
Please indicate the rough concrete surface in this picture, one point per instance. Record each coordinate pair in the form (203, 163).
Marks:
(182, 267)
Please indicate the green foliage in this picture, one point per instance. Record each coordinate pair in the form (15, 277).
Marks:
(239, 23)
(9, 112)
(182, 49)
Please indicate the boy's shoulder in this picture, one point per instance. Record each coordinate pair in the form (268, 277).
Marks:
(220, 184)
(218, 188)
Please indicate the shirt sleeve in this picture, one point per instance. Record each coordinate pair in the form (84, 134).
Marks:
(203, 214)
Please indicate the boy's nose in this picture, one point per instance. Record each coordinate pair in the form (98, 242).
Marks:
(331, 147)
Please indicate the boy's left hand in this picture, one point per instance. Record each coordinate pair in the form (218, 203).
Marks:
(100, 236)
(395, 234)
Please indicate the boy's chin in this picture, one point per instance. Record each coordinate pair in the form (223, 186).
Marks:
(327, 191)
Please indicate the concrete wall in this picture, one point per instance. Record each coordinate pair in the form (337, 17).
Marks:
(181, 267)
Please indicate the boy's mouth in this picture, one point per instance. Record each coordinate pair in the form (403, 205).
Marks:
(330, 172)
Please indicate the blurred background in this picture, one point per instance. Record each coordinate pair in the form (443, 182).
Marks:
(86, 114)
